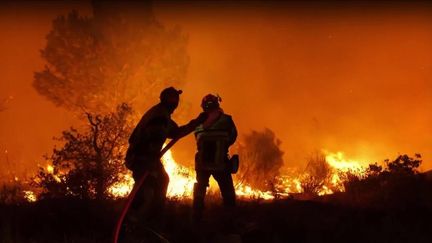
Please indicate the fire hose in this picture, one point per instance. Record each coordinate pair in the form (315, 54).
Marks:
(133, 193)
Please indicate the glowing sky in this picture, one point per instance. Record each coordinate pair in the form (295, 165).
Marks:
(352, 78)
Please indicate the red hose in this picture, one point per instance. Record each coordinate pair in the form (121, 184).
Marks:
(128, 203)
(135, 189)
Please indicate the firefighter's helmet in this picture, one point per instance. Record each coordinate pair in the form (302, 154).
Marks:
(210, 102)
(170, 97)
(169, 93)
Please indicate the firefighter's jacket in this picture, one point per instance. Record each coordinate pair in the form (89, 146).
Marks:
(150, 134)
(213, 142)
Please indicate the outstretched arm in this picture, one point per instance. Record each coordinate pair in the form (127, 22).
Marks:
(179, 132)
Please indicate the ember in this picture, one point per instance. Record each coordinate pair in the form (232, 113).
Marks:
(30, 196)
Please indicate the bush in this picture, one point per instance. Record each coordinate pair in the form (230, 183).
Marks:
(398, 185)
(90, 160)
(12, 193)
(317, 174)
(261, 159)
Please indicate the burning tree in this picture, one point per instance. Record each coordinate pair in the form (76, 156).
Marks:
(120, 54)
(90, 160)
(317, 174)
(261, 159)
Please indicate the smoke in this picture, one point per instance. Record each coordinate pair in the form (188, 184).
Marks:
(342, 77)
(348, 78)
(260, 159)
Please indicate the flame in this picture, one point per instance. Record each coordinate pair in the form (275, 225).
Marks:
(340, 165)
(248, 192)
(182, 178)
(324, 191)
(181, 183)
(30, 196)
(337, 160)
(123, 187)
(50, 170)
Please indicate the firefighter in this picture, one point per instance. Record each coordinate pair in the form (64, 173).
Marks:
(143, 155)
(213, 137)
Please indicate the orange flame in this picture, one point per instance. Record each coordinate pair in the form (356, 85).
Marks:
(182, 180)
(30, 196)
(123, 187)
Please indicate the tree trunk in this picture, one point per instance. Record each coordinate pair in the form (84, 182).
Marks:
(100, 180)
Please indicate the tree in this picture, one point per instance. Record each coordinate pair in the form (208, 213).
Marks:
(90, 161)
(404, 165)
(117, 55)
(317, 174)
(397, 184)
(261, 159)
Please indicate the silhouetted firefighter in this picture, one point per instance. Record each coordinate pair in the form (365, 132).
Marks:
(144, 153)
(214, 137)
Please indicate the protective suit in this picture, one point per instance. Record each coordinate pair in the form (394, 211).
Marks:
(213, 137)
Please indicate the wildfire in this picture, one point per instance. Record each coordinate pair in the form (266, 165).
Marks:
(340, 165)
(182, 180)
(338, 168)
(181, 183)
(249, 192)
(123, 187)
(337, 160)
(50, 170)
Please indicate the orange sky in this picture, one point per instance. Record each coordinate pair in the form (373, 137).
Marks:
(350, 78)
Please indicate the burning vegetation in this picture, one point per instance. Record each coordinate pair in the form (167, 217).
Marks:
(87, 168)
(182, 179)
(324, 174)
(89, 165)
(56, 179)
(117, 55)
(121, 54)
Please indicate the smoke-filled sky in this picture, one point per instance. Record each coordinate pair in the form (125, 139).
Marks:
(351, 77)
